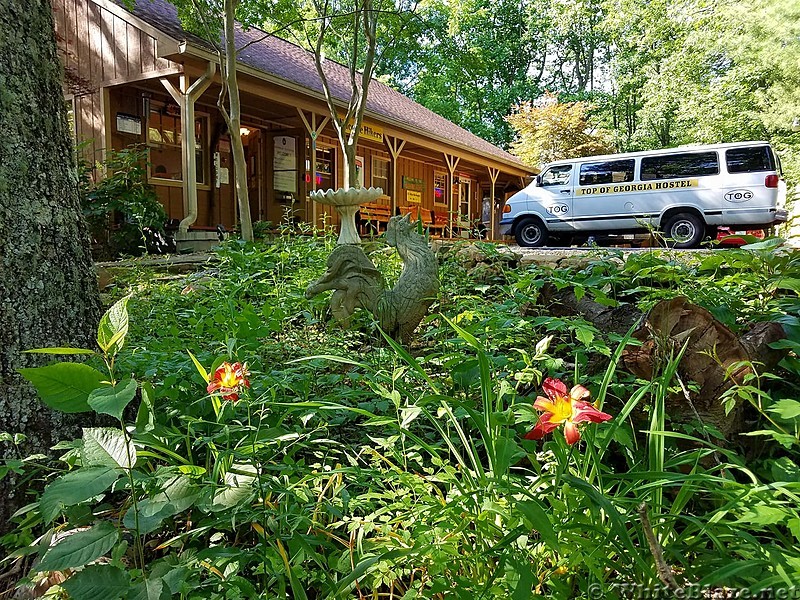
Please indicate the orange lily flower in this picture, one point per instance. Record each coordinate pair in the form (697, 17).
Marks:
(228, 380)
(559, 407)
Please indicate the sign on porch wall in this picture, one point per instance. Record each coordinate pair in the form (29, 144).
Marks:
(413, 197)
(284, 163)
(413, 183)
(129, 124)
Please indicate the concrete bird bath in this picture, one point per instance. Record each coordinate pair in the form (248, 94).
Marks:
(346, 202)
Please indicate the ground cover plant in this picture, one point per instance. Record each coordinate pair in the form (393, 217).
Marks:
(253, 450)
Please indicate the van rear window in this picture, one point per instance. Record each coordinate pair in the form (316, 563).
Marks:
(684, 164)
(611, 171)
(749, 160)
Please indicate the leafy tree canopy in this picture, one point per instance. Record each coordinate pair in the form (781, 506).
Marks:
(549, 130)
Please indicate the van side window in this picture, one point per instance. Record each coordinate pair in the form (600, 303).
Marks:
(749, 160)
(684, 164)
(558, 175)
(613, 171)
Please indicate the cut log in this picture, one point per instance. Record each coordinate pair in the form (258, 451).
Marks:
(715, 359)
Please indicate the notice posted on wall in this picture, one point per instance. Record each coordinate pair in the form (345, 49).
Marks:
(284, 164)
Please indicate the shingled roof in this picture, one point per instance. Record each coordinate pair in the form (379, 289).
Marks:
(283, 60)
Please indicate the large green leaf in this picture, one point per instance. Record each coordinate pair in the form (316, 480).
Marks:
(75, 487)
(177, 495)
(535, 517)
(65, 386)
(112, 400)
(150, 589)
(79, 549)
(787, 409)
(114, 327)
(239, 486)
(97, 582)
(107, 446)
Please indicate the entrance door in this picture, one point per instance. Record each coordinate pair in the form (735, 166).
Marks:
(464, 201)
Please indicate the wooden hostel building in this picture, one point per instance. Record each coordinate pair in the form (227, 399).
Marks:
(138, 78)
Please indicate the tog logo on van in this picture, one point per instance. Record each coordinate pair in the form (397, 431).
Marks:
(650, 186)
(739, 195)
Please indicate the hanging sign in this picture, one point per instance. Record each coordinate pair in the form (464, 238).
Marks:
(368, 132)
(413, 197)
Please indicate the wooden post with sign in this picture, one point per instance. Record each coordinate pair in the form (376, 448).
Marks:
(313, 132)
(452, 164)
(395, 145)
(493, 175)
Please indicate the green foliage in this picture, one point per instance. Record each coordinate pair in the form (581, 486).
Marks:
(354, 467)
(121, 206)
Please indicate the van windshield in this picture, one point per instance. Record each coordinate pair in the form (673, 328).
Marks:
(557, 175)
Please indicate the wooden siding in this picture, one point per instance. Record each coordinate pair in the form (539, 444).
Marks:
(99, 48)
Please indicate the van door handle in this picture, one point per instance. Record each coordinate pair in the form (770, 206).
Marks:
(566, 191)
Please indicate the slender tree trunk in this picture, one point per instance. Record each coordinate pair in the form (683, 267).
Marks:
(233, 118)
(48, 288)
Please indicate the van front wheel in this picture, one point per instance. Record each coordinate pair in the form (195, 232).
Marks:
(531, 233)
(684, 230)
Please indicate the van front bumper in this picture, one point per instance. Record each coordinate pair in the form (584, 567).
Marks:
(506, 227)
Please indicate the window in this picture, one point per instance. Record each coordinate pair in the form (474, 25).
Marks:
(558, 175)
(685, 164)
(749, 160)
(380, 174)
(615, 171)
(326, 168)
(164, 140)
(439, 188)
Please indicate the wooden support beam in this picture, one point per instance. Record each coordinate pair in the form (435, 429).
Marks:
(313, 131)
(452, 164)
(396, 146)
(493, 175)
(185, 96)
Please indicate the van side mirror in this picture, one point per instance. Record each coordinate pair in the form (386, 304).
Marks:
(538, 181)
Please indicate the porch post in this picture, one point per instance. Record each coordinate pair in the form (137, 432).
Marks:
(452, 163)
(185, 98)
(313, 132)
(395, 148)
(493, 174)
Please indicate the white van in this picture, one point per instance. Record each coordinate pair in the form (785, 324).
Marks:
(686, 193)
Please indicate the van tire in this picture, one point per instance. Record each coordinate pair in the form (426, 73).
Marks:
(531, 233)
(684, 230)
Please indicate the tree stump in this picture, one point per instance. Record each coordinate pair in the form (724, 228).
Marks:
(715, 358)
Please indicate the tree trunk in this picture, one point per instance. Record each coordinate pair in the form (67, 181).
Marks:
(48, 288)
(234, 121)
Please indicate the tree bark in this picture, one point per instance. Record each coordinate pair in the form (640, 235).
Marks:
(48, 288)
(233, 118)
